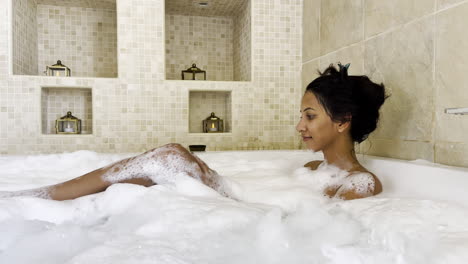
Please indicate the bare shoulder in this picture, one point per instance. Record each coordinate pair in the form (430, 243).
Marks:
(313, 165)
(364, 179)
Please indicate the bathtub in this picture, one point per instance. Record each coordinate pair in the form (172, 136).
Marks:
(276, 214)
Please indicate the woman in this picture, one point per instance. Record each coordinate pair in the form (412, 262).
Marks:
(336, 111)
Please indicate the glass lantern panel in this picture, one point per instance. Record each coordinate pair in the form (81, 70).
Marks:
(69, 126)
(188, 76)
(199, 76)
(212, 126)
(58, 72)
(59, 126)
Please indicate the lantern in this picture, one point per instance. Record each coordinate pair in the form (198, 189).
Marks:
(213, 124)
(68, 124)
(194, 73)
(58, 69)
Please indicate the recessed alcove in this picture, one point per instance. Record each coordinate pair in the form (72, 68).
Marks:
(81, 34)
(57, 101)
(215, 35)
(203, 103)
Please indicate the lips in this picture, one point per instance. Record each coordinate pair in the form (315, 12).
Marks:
(306, 138)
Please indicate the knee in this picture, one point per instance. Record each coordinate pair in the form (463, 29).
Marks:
(171, 147)
(174, 146)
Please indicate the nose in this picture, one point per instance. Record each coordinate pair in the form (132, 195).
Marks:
(300, 126)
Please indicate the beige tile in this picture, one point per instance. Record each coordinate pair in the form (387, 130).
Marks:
(203, 35)
(24, 37)
(383, 15)
(86, 42)
(454, 154)
(141, 109)
(441, 4)
(399, 149)
(341, 24)
(403, 61)
(353, 54)
(451, 63)
(311, 30)
(449, 127)
(309, 72)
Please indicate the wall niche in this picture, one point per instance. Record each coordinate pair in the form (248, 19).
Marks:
(81, 34)
(203, 103)
(57, 101)
(214, 35)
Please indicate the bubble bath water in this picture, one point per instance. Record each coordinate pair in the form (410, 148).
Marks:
(279, 214)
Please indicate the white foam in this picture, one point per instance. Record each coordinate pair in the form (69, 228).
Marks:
(280, 216)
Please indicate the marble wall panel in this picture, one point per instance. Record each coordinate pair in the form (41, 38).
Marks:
(399, 149)
(311, 30)
(383, 15)
(403, 61)
(451, 153)
(451, 78)
(353, 54)
(310, 72)
(443, 4)
(416, 49)
(341, 24)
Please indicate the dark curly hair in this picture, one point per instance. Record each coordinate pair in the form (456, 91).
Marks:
(349, 98)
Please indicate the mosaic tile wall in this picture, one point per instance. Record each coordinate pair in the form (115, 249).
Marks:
(84, 39)
(224, 8)
(104, 4)
(413, 47)
(25, 37)
(201, 104)
(242, 44)
(140, 110)
(56, 102)
(206, 41)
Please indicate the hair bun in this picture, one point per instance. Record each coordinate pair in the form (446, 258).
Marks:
(343, 96)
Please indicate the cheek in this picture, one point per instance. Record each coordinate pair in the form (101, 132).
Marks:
(322, 131)
(317, 127)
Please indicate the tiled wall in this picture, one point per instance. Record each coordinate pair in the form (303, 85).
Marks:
(242, 44)
(416, 49)
(140, 110)
(206, 41)
(103, 4)
(24, 37)
(56, 102)
(201, 104)
(84, 39)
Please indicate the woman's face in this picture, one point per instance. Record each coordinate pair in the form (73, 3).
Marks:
(316, 127)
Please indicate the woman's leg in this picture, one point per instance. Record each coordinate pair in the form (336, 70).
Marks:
(156, 166)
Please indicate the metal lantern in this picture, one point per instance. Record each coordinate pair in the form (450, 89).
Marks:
(194, 73)
(213, 124)
(58, 69)
(68, 125)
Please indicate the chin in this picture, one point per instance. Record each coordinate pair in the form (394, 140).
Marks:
(313, 148)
